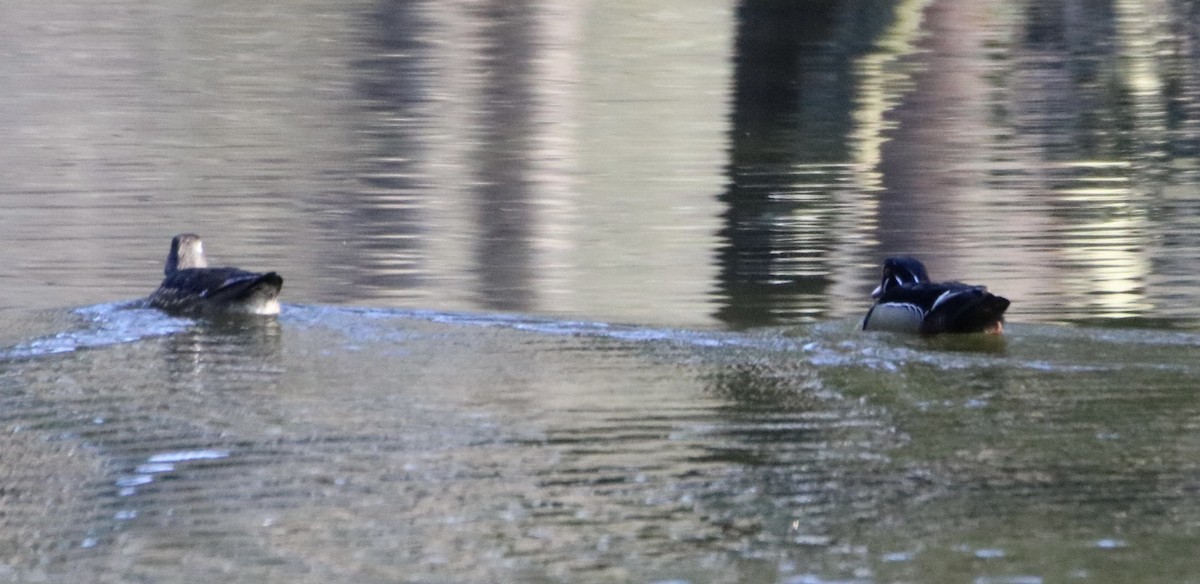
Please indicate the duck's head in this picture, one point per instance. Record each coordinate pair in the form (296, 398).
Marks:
(900, 271)
(187, 251)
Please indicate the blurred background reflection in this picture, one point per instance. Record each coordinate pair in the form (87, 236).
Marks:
(698, 163)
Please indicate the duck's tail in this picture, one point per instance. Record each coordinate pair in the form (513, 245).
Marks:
(253, 293)
(973, 310)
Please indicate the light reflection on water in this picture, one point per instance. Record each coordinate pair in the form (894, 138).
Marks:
(694, 169)
(750, 169)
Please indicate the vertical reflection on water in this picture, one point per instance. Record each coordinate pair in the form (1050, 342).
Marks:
(1156, 52)
(773, 44)
(796, 215)
(463, 181)
(1082, 185)
(652, 139)
(595, 160)
(503, 188)
(1033, 147)
(1035, 150)
(386, 218)
(932, 164)
(521, 188)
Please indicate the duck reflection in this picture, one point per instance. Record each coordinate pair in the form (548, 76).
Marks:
(229, 353)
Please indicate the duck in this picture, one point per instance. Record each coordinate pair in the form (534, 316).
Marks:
(191, 287)
(907, 301)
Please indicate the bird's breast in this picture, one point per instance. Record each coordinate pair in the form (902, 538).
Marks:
(900, 317)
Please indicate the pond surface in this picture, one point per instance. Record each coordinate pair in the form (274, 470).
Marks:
(373, 445)
(572, 291)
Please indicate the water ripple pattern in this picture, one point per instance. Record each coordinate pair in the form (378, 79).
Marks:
(379, 444)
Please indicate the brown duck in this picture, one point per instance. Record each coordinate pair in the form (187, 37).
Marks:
(192, 288)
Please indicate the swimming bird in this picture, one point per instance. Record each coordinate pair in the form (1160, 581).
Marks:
(191, 287)
(907, 301)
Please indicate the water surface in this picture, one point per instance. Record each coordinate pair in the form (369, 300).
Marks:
(572, 291)
(385, 445)
(702, 164)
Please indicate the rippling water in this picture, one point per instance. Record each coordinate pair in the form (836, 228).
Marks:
(383, 445)
(572, 287)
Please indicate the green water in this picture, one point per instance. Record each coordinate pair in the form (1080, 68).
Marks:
(571, 291)
(376, 446)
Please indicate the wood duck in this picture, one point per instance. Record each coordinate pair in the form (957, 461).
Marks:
(906, 301)
(191, 287)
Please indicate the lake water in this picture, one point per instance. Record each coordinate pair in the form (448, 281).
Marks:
(572, 291)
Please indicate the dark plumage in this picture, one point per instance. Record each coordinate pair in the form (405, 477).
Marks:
(191, 287)
(906, 301)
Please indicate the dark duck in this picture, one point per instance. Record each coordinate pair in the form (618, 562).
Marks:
(907, 301)
(191, 287)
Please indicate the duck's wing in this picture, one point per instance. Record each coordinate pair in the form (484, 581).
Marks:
(923, 295)
(217, 288)
(961, 308)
